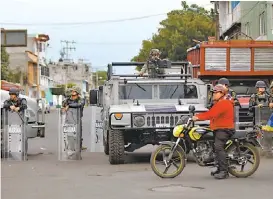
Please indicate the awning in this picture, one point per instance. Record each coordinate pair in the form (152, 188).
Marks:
(32, 57)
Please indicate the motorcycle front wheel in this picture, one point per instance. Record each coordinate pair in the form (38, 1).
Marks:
(161, 163)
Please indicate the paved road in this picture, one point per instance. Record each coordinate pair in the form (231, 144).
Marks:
(44, 177)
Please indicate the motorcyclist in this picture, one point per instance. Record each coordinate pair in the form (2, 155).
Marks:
(15, 103)
(73, 100)
(150, 65)
(221, 117)
(231, 94)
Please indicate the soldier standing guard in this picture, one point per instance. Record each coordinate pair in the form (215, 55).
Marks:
(75, 98)
(15, 103)
(262, 99)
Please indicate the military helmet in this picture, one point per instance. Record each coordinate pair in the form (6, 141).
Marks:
(260, 84)
(14, 91)
(223, 81)
(154, 51)
(68, 92)
(77, 89)
(271, 85)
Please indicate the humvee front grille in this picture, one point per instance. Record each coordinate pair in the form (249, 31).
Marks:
(170, 120)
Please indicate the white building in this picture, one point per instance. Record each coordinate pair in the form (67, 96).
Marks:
(229, 17)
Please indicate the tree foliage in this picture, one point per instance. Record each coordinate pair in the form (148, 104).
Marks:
(4, 64)
(102, 77)
(175, 35)
(6, 73)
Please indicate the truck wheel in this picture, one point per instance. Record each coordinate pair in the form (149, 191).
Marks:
(106, 145)
(116, 147)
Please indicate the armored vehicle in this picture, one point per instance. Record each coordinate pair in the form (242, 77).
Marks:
(137, 111)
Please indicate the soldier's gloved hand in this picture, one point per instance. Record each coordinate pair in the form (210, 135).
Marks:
(260, 105)
(17, 109)
(12, 107)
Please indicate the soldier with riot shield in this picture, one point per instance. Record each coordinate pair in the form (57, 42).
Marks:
(261, 99)
(72, 127)
(152, 64)
(15, 140)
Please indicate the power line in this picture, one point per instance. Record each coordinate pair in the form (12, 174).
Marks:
(82, 23)
(109, 43)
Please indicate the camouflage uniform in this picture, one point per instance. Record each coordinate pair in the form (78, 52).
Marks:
(262, 99)
(151, 65)
(76, 103)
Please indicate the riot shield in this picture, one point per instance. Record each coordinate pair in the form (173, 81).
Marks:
(15, 143)
(262, 114)
(261, 117)
(70, 130)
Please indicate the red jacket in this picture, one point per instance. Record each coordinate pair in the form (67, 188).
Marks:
(221, 115)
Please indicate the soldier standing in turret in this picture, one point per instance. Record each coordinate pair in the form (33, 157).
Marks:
(151, 64)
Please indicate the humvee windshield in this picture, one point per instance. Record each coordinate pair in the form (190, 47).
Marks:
(136, 91)
(178, 91)
(166, 91)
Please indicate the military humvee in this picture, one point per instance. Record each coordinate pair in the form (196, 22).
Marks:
(137, 111)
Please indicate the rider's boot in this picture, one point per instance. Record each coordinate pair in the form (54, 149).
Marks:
(215, 172)
(221, 175)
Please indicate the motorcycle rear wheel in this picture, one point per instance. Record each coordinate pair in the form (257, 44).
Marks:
(255, 163)
(178, 154)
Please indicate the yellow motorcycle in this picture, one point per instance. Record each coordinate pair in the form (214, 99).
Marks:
(241, 148)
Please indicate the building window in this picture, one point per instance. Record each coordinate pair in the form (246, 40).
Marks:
(262, 24)
(247, 30)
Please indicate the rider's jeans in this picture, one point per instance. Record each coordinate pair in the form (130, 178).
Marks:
(221, 137)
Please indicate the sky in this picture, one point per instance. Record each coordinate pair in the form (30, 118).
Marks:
(97, 43)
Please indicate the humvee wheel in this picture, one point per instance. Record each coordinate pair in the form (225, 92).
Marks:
(106, 144)
(116, 147)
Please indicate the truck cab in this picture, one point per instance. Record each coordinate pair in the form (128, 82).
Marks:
(243, 62)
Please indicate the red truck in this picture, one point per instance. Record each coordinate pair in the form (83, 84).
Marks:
(243, 62)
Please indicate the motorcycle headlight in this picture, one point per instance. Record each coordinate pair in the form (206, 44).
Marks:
(139, 121)
(177, 131)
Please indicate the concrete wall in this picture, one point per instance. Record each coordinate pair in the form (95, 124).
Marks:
(251, 11)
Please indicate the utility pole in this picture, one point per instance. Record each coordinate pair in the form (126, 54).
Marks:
(66, 50)
(68, 47)
(216, 18)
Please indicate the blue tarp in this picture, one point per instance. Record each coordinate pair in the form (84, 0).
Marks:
(49, 96)
(234, 4)
(269, 125)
